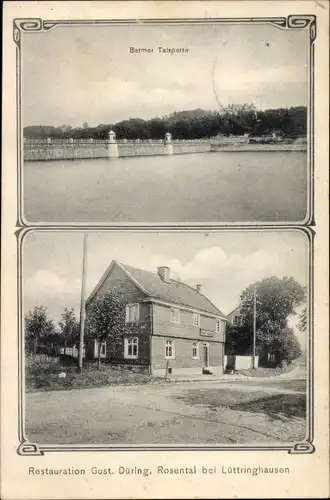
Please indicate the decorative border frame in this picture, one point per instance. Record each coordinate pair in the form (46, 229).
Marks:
(23, 228)
(38, 25)
(27, 448)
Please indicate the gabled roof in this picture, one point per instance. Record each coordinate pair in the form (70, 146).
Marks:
(236, 310)
(152, 285)
(174, 292)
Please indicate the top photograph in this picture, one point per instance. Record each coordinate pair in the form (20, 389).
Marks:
(170, 122)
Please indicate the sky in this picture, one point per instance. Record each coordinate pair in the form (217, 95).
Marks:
(72, 75)
(224, 263)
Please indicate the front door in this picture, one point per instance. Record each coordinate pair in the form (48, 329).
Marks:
(205, 355)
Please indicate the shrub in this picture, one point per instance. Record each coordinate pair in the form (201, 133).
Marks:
(41, 374)
(36, 364)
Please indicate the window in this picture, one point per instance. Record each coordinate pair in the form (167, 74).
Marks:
(175, 315)
(131, 347)
(169, 349)
(236, 319)
(195, 350)
(220, 326)
(196, 319)
(132, 313)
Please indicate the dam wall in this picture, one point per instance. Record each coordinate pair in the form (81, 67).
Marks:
(73, 149)
(34, 151)
(139, 148)
(43, 150)
(188, 147)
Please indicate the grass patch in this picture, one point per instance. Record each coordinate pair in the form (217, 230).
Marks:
(277, 406)
(42, 374)
(262, 372)
(298, 385)
(216, 398)
(271, 372)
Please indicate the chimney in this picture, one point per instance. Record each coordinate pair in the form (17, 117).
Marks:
(165, 273)
(198, 287)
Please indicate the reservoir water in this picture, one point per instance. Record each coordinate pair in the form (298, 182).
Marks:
(206, 187)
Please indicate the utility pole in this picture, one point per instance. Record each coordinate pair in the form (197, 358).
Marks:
(82, 307)
(254, 326)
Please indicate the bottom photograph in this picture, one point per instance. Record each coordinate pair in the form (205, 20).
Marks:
(165, 338)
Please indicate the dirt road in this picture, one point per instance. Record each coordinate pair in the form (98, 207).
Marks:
(251, 411)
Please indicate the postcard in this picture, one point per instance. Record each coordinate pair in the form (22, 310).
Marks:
(164, 265)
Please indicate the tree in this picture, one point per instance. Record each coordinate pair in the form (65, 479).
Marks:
(69, 328)
(276, 300)
(105, 322)
(39, 328)
(285, 347)
(302, 325)
(189, 124)
(238, 340)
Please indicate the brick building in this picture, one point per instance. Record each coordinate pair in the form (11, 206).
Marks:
(170, 326)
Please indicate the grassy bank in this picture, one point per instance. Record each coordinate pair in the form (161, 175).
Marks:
(271, 372)
(262, 372)
(42, 374)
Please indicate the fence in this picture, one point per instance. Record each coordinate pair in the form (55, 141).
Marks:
(47, 141)
(234, 362)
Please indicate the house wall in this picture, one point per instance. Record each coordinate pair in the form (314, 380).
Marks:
(231, 316)
(120, 283)
(217, 356)
(162, 325)
(183, 362)
(184, 334)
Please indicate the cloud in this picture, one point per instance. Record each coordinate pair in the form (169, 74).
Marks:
(235, 78)
(213, 262)
(45, 283)
(99, 81)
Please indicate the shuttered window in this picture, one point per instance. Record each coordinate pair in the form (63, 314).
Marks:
(132, 313)
(195, 350)
(196, 319)
(175, 315)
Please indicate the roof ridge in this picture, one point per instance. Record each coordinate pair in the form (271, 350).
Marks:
(180, 283)
(233, 310)
(101, 281)
(206, 298)
(135, 280)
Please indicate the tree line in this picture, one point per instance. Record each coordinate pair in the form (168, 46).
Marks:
(276, 300)
(193, 124)
(105, 321)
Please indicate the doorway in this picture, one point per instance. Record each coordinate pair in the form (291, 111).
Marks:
(205, 356)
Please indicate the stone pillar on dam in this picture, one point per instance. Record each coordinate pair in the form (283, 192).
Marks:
(112, 146)
(168, 144)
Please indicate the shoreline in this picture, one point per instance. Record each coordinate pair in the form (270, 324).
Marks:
(55, 153)
(258, 147)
